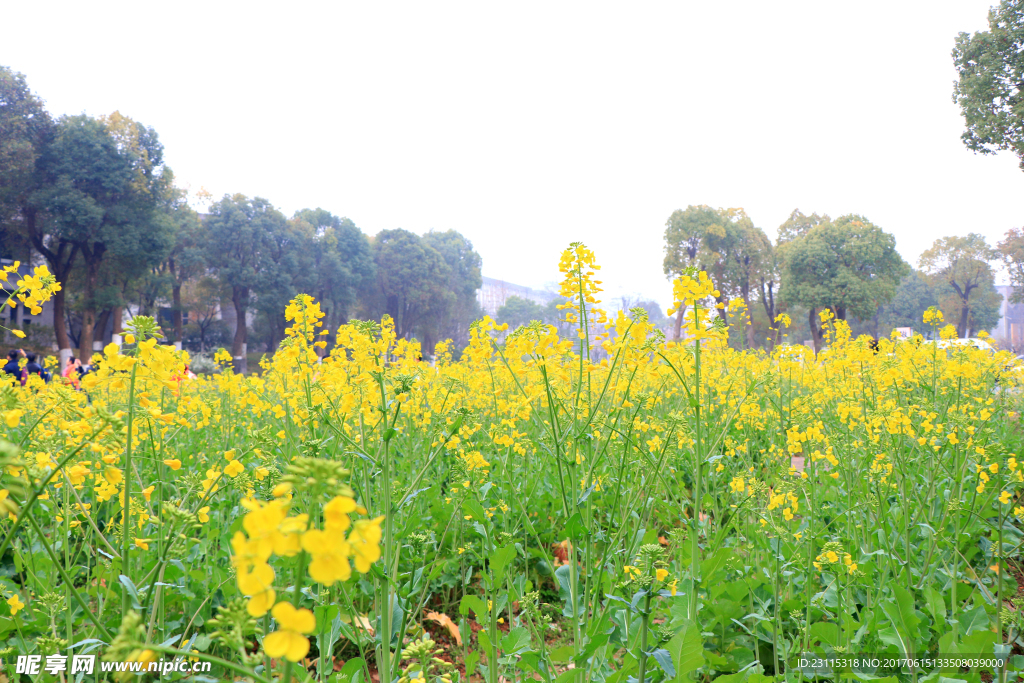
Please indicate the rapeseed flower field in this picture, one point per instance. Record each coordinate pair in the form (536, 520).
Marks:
(612, 507)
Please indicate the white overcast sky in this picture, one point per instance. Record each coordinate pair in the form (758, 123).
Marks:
(528, 125)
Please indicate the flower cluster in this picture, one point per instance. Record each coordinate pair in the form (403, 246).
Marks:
(269, 530)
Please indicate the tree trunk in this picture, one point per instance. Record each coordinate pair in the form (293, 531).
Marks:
(92, 267)
(677, 332)
(176, 313)
(101, 325)
(60, 263)
(240, 298)
(815, 330)
(60, 324)
(965, 317)
(117, 312)
(751, 342)
(768, 301)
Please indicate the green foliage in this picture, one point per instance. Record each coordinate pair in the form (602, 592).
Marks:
(342, 262)
(1011, 251)
(962, 265)
(241, 236)
(518, 311)
(848, 265)
(426, 284)
(990, 66)
(914, 295)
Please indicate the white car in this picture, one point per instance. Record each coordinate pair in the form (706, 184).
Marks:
(970, 341)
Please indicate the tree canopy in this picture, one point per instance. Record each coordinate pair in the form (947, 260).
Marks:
(962, 263)
(990, 68)
(849, 266)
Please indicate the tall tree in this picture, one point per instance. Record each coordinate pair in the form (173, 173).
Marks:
(990, 65)
(849, 266)
(239, 231)
(963, 264)
(412, 279)
(288, 269)
(187, 258)
(25, 131)
(914, 295)
(452, 321)
(799, 224)
(342, 261)
(744, 254)
(105, 181)
(1011, 251)
(687, 232)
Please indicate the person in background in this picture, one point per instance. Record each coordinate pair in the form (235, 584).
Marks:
(73, 372)
(33, 368)
(11, 368)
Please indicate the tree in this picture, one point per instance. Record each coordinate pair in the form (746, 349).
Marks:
(104, 183)
(201, 299)
(990, 66)
(187, 258)
(799, 224)
(411, 282)
(288, 270)
(963, 264)
(1011, 251)
(25, 130)
(914, 295)
(452, 320)
(517, 311)
(849, 266)
(686, 244)
(239, 238)
(744, 253)
(342, 261)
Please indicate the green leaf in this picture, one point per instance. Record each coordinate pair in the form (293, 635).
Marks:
(562, 654)
(500, 559)
(471, 660)
(936, 606)
(900, 611)
(517, 641)
(591, 647)
(474, 510)
(133, 592)
(576, 529)
(974, 620)
(664, 659)
(349, 670)
(472, 602)
(687, 650)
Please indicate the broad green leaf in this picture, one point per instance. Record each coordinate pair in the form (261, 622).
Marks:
(936, 607)
(687, 650)
(472, 602)
(576, 529)
(500, 560)
(664, 659)
(471, 659)
(973, 620)
(349, 670)
(901, 614)
(517, 640)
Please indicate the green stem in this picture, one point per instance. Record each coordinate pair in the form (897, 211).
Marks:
(126, 567)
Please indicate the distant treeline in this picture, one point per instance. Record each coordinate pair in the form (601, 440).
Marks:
(94, 199)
